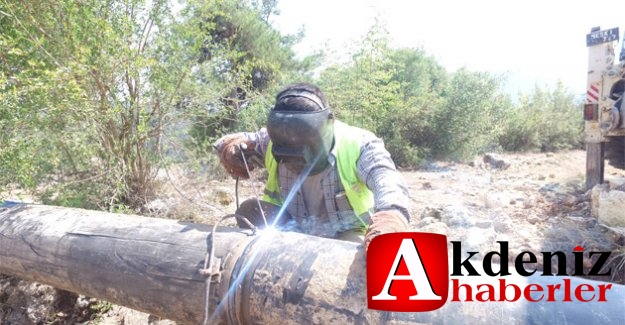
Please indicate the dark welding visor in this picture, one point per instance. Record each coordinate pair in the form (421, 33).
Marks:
(282, 153)
(301, 139)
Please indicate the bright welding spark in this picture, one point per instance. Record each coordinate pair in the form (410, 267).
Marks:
(268, 231)
(264, 234)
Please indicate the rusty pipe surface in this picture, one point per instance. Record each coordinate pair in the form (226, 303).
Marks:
(153, 265)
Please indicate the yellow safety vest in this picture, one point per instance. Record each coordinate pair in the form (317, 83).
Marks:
(347, 139)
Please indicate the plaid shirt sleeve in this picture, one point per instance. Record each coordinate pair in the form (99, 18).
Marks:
(378, 171)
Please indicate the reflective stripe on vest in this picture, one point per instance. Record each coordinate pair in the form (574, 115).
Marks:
(348, 152)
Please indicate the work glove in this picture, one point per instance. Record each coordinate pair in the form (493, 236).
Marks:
(384, 222)
(230, 147)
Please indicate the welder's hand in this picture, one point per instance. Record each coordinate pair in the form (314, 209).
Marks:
(230, 147)
(384, 222)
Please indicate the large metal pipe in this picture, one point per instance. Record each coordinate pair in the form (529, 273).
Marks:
(153, 265)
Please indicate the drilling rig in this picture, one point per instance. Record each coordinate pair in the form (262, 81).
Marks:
(604, 112)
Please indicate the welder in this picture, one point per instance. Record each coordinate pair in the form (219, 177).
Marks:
(325, 178)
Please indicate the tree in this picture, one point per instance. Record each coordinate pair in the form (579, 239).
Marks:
(105, 75)
(37, 89)
(363, 90)
(392, 92)
(471, 119)
(104, 92)
(546, 120)
(241, 54)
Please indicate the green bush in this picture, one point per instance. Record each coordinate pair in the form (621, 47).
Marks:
(469, 119)
(545, 120)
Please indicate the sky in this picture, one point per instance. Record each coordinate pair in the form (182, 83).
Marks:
(531, 42)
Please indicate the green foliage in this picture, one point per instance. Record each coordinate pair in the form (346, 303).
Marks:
(470, 119)
(410, 101)
(106, 93)
(77, 193)
(96, 97)
(371, 93)
(240, 54)
(546, 120)
(37, 94)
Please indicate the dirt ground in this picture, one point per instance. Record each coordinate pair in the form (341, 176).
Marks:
(535, 201)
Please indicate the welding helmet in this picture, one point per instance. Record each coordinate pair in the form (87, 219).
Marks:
(302, 138)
